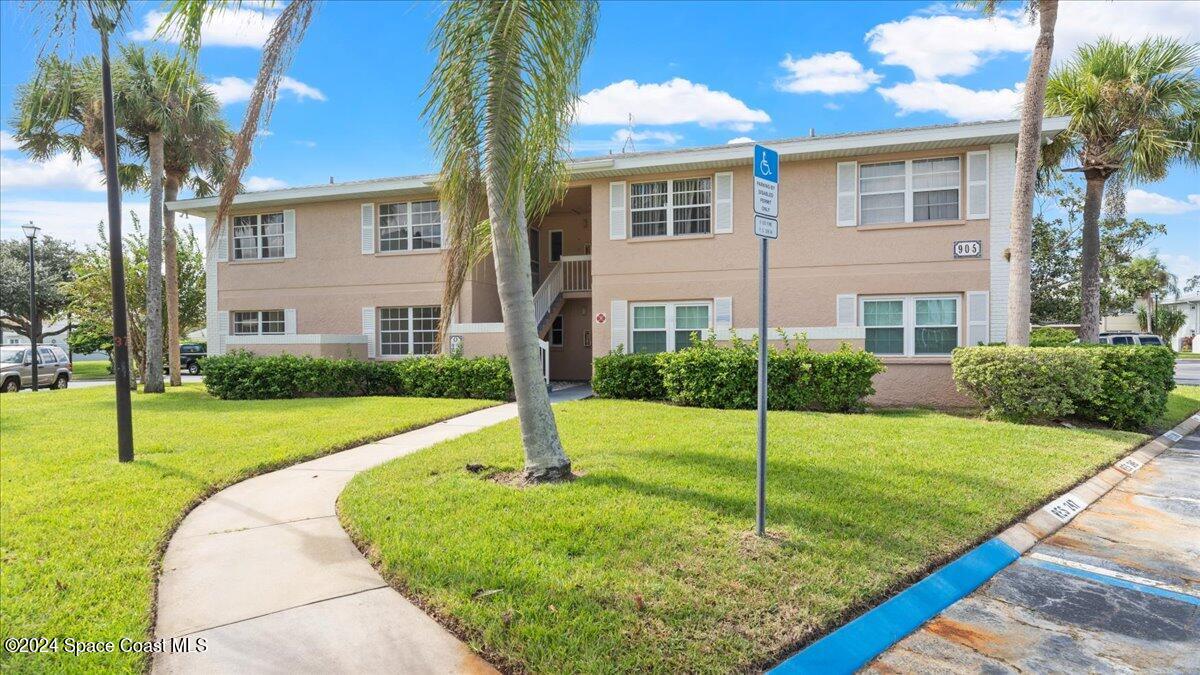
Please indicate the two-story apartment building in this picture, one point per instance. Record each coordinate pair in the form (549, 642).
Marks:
(894, 241)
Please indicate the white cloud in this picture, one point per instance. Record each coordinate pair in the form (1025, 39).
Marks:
(73, 221)
(937, 46)
(832, 73)
(231, 27)
(58, 172)
(259, 183)
(739, 139)
(7, 142)
(264, 132)
(642, 140)
(954, 101)
(236, 90)
(1082, 22)
(1141, 201)
(305, 144)
(832, 106)
(1182, 265)
(653, 137)
(677, 101)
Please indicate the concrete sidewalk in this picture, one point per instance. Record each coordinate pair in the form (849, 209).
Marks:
(1115, 590)
(262, 577)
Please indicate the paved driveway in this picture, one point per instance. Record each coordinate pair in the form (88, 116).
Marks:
(1116, 590)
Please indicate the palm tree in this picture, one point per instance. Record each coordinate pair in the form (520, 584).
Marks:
(501, 100)
(1145, 278)
(1134, 109)
(1028, 150)
(149, 99)
(105, 16)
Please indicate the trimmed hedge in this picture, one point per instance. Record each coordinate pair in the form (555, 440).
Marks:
(1123, 387)
(240, 375)
(712, 376)
(1051, 337)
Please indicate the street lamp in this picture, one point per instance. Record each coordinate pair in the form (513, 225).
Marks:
(31, 231)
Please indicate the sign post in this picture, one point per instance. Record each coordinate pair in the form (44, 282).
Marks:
(766, 227)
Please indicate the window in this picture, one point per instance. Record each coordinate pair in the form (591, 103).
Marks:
(258, 237)
(671, 207)
(667, 327)
(410, 226)
(556, 243)
(911, 326)
(556, 332)
(912, 191)
(407, 331)
(45, 355)
(1150, 340)
(1122, 340)
(267, 322)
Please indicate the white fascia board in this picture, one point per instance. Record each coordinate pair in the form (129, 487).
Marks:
(981, 133)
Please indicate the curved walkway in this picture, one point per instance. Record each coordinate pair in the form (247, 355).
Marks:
(261, 577)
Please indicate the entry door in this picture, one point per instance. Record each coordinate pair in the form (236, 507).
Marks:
(535, 257)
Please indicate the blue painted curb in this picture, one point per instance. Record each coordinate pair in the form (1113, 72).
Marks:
(852, 646)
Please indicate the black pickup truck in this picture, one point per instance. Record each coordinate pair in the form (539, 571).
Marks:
(190, 355)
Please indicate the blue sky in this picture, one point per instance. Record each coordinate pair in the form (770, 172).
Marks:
(690, 74)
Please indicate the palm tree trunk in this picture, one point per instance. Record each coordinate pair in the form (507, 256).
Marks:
(1089, 315)
(545, 459)
(1028, 151)
(154, 280)
(170, 251)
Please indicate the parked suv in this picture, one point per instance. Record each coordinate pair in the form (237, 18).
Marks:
(190, 355)
(1130, 338)
(16, 367)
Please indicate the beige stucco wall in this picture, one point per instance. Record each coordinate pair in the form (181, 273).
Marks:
(573, 360)
(332, 351)
(925, 383)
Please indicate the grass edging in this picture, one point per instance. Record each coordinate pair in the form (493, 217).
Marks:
(160, 549)
(1030, 534)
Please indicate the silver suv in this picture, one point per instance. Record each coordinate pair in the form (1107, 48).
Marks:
(1130, 338)
(16, 367)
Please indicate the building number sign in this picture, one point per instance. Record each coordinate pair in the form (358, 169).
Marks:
(972, 248)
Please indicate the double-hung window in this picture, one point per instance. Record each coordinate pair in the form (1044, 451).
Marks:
(667, 327)
(266, 322)
(671, 207)
(406, 331)
(556, 332)
(258, 237)
(410, 226)
(910, 191)
(911, 326)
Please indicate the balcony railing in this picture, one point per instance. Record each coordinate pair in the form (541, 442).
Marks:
(577, 273)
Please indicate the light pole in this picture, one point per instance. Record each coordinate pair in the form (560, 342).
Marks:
(31, 231)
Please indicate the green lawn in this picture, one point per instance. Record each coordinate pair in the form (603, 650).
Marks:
(1182, 404)
(647, 563)
(1187, 355)
(91, 370)
(81, 535)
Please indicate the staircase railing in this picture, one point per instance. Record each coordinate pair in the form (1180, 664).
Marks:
(547, 293)
(577, 272)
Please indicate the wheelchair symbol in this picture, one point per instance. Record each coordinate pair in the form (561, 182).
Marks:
(764, 165)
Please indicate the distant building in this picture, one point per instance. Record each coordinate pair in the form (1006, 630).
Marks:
(1190, 306)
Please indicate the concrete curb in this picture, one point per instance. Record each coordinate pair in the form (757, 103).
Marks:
(856, 643)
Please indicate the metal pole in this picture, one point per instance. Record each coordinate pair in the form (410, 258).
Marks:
(761, 522)
(115, 261)
(33, 322)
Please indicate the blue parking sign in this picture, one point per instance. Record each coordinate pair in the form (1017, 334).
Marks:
(766, 182)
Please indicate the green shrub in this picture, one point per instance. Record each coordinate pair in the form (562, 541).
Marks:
(1023, 384)
(712, 376)
(629, 376)
(1051, 337)
(1134, 384)
(1122, 387)
(240, 375)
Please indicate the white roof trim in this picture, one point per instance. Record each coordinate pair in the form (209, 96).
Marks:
(841, 145)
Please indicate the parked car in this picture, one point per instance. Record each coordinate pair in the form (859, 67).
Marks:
(1130, 338)
(190, 355)
(16, 367)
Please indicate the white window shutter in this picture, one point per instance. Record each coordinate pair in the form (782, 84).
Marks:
(289, 233)
(847, 310)
(368, 229)
(847, 194)
(620, 324)
(977, 318)
(723, 313)
(223, 324)
(368, 329)
(223, 242)
(289, 321)
(977, 185)
(723, 203)
(616, 210)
